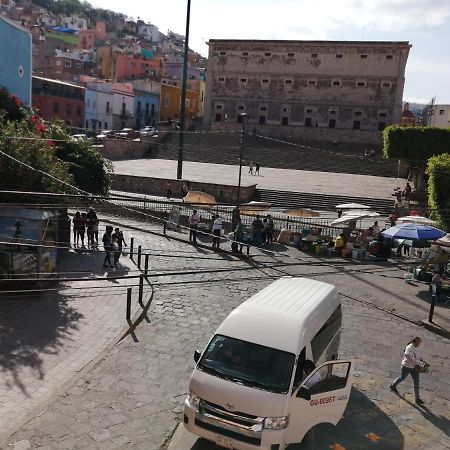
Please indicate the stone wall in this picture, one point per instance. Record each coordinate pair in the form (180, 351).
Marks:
(158, 186)
(307, 133)
(115, 149)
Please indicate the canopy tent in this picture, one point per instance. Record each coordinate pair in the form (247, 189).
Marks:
(351, 206)
(416, 219)
(413, 231)
(199, 198)
(301, 212)
(444, 241)
(254, 208)
(347, 218)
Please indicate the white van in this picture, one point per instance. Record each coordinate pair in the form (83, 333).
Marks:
(255, 385)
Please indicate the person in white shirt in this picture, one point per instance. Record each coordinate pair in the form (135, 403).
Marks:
(194, 220)
(375, 229)
(410, 361)
(217, 227)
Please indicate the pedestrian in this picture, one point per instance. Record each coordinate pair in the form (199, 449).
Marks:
(91, 217)
(411, 365)
(435, 286)
(82, 229)
(375, 229)
(76, 228)
(194, 220)
(184, 190)
(169, 190)
(250, 168)
(393, 218)
(117, 237)
(263, 232)
(235, 217)
(236, 246)
(257, 166)
(108, 246)
(95, 233)
(216, 229)
(257, 231)
(269, 230)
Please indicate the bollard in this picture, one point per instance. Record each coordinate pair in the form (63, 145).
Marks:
(139, 257)
(131, 247)
(146, 265)
(128, 304)
(141, 288)
(432, 305)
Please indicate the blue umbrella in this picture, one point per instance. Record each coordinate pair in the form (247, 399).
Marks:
(414, 232)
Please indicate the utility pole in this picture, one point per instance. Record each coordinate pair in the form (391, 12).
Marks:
(244, 118)
(183, 95)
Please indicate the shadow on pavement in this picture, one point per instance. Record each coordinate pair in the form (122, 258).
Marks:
(443, 299)
(364, 426)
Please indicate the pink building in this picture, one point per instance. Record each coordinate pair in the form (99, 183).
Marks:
(135, 66)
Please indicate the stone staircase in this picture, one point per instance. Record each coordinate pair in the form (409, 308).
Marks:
(321, 202)
(223, 148)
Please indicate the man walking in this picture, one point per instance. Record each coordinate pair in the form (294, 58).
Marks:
(250, 168)
(108, 246)
(194, 220)
(217, 227)
(117, 236)
(257, 166)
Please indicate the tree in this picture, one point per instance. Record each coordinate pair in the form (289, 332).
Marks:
(438, 172)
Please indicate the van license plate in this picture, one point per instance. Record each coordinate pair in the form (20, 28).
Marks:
(224, 442)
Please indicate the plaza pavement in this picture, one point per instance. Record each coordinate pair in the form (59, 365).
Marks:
(270, 178)
(133, 397)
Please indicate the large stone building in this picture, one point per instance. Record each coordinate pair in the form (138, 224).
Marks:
(306, 85)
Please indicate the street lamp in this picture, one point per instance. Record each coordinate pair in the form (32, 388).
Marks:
(183, 95)
(243, 118)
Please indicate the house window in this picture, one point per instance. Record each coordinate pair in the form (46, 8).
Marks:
(223, 53)
(218, 117)
(286, 109)
(106, 125)
(56, 107)
(361, 84)
(107, 107)
(287, 81)
(312, 82)
(339, 56)
(243, 80)
(332, 112)
(262, 120)
(78, 65)
(67, 63)
(89, 102)
(147, 107)
(308, 122)
(78, 110)
(87, 124)
(309, 111)
(241, 108)
(363, 56)
(332, 123)
(263, 108)
(221, 79)
(267, 54)
(386, 85)
(389, 56)
(337, 83)
(58, 62)
(68, 109)
(290, 55)
(383, 114)
(441, 112)
(381, 126)
(285, 121)
(356, 124)
(314, 55)
(265, 81)
(358, 113)
(219, 106)
(244, 53)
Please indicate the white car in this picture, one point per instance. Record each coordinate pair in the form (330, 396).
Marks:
(148, 131)
(79, 137)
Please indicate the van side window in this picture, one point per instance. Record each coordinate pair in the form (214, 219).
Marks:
(326, 334)
(331, 378)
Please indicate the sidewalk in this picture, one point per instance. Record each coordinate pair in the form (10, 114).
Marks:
(276, 179)
(49, 339)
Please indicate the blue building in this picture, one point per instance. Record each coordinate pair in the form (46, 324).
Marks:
(146, 103)
(15, 60)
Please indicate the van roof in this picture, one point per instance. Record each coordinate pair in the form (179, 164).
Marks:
(285, 315)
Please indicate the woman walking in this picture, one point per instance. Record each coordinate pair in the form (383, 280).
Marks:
(410, 366)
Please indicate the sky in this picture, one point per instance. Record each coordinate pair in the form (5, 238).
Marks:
(424, 23)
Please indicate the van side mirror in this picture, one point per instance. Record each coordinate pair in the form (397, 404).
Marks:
(197, 355)
(304, 393)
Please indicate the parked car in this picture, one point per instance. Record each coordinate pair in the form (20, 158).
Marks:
(148, 131)
(79, 137)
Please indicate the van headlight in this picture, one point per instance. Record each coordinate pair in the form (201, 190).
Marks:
(276, 423)
(194, 399)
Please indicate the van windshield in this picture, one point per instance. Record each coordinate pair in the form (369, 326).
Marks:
(249, 364)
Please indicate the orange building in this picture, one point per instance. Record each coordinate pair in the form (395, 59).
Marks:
(100, 28)
(407, 119)
(86, 39)
(127, 66)
(170, 101)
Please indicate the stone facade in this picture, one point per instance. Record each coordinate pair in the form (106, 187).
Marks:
(309, 84)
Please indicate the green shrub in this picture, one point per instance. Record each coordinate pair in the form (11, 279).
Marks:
(438, 171)
(415, 143)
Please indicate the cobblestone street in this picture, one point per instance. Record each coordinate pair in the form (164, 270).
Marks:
(133, 396)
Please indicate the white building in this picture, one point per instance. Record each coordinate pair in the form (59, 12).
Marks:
(149, 32)
(74, 22)
(109, 105)
(438, 116)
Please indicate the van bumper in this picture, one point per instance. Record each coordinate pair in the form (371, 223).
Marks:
(210, 429)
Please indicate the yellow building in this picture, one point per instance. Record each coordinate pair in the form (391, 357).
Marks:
(170, 101)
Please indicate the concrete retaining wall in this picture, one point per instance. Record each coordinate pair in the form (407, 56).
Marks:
(307, 133)
(115, 149)
(158, 186)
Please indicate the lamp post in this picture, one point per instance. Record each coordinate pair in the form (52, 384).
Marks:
(183, 95)
(243, 117)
